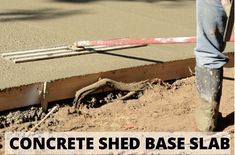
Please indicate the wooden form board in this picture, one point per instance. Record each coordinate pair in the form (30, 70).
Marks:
(12, 98)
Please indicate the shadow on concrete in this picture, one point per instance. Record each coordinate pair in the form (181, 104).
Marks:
(40, 14)
(131, 57)
(108, 52)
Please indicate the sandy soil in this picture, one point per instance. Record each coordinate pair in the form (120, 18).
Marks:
(162, 108)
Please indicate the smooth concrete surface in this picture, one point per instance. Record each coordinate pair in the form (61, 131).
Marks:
(30, 24)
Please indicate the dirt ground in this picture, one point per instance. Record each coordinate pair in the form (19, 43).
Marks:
(164, 108)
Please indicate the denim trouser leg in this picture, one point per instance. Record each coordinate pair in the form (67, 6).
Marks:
(211, 20)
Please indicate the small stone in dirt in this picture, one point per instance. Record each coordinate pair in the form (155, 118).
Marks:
(19, 121)
(92, 102)
(29, 125)
(51, 122)
(119, 95)
(109, 97)
(73, 110)
(140, 94)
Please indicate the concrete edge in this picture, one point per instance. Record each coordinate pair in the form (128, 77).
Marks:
(12, 98)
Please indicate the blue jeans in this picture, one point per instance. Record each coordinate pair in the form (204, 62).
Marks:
(211, 20)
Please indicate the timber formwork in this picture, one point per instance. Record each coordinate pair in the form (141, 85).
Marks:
(32, 94)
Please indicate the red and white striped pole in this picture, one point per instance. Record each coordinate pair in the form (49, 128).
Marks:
(116, 42)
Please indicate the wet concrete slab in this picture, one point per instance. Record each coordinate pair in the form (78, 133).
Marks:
(30, 24)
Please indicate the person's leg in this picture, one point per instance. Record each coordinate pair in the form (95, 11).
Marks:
(211, 20)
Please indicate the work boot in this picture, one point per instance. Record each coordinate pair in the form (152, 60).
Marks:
(209, 86)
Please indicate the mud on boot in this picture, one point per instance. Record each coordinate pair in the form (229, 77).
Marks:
(209, 86)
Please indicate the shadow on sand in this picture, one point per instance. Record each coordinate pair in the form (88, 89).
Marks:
(226, 121)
